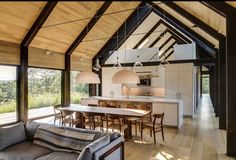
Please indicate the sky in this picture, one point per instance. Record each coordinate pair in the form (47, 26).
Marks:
(7, 73)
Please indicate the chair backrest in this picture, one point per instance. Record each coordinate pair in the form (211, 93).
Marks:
(113, 105)
(55, 108)
(67, 113)
(93, 105)
(102, 104)
(158, 116)
(145, 107)
(132, 106)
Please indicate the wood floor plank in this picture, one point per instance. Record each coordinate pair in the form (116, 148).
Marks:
(198, 139)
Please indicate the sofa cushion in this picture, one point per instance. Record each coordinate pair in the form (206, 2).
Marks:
(12, 135)
(32, 126)
(23, 151)
(87, 153)
(98, 134)
(59, 156)
(59, 139)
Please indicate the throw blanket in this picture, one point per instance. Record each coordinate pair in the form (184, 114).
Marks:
(61, 139)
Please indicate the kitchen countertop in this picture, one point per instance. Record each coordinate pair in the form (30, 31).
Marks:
(148, 99)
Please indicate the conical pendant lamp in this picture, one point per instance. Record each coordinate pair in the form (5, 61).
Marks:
(87, 77)
(125, 77)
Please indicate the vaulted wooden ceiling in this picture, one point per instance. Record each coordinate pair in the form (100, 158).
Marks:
(68, 19)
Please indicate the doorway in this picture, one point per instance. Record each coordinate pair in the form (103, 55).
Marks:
(205, 84)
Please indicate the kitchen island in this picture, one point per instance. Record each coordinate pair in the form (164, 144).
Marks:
(173, 108)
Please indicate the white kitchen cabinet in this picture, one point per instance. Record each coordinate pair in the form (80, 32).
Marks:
(172, 114)
(180, 79)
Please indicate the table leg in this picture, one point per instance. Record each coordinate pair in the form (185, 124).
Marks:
(128, 130)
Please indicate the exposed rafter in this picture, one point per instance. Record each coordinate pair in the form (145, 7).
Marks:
(88, 27)
(148, 34)
(38, 23)
(184, 29)
(158, 38)
(176, 33)
(196, 62)
(167, 41)
(22, 81)
(167, 50)
(208, 29)
(129, 25)
(169, 54)
(221, 8)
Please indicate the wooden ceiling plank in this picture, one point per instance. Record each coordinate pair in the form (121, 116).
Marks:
(148, 34)
(87, 28)
(183, 28)
(129, 25)
(38, 23)
(205, 27)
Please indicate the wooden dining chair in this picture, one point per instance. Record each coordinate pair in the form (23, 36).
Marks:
(134, 120)
(57, 114)
(115, 121)
(68, 118)
(93, 120)
(155, 126)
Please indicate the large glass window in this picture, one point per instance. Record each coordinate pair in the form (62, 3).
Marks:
(78, 91)
(44, 91)
(7, 94)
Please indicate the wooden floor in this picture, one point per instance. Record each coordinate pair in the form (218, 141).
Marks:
(198, 139)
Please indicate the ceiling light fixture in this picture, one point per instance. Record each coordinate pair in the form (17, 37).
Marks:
(87, 77)
(125, 76)
(164, 62)
(117, 65)
(97, 66)
(138, 63)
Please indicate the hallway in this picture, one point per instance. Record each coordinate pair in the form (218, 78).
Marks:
(198, 139)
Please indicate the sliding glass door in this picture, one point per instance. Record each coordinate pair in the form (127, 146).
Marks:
(8, 100)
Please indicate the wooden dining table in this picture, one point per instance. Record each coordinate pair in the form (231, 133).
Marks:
(125, 112)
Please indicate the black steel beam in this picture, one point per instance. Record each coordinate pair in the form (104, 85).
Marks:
(183, 28)
(131, 23)
(196, 62)
(222, 83)
(176, 33)
(208, 29)
(230, 84)
(88, 27)
(39, 23)
(23, 68)
(148, 34)
(221, 8)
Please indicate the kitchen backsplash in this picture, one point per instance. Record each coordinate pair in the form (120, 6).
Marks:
(143, 91)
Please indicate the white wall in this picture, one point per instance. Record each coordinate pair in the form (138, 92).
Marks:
(184, 51)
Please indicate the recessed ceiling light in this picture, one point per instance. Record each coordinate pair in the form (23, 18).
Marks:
(48, 52)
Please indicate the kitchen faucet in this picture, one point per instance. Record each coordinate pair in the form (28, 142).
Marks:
(129, 91)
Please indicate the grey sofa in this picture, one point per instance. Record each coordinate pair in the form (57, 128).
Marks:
(16, 143)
